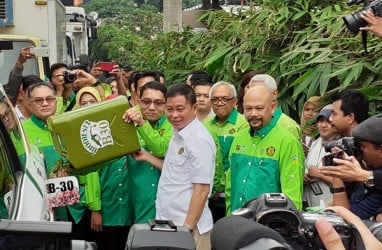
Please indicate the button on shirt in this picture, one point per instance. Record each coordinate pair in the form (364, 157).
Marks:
(190, 159)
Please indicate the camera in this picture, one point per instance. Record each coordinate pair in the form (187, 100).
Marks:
(69, 77)
(346, 144)
(327, 160)
(354, 20)
(277, 211)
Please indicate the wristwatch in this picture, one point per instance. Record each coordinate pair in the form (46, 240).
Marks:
(334, 190)
(98, 82)
(369, 183)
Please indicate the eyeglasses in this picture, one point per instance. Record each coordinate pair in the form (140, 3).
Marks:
(223, 100)
(5, 115)
(39, 100)
(148, 102)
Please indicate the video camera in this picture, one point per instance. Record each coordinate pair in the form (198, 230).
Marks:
(346, 144)
(354, 20)
(277, 211)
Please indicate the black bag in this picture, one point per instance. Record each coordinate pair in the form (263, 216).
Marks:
(159, 234)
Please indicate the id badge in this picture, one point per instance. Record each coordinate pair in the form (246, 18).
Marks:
(315, 188)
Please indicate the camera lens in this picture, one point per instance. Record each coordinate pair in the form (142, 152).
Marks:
(354, 21)
(69, 77)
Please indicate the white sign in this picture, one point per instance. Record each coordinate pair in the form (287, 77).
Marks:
(63, 191)
(95, 135)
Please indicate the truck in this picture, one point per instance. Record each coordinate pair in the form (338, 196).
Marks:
(80, 30)
(33, 23)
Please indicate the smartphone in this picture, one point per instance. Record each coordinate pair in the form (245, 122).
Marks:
(106, 66)
(40, 52)
(327, 160)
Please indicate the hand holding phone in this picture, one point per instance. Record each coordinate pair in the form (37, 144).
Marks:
(40, 52)
(106, 66)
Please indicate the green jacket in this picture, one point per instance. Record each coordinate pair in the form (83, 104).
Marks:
(158, 137)
(223, 135)
(269, 160)
(115, 194)
(143, 177)
(288, 123)
(37, 133)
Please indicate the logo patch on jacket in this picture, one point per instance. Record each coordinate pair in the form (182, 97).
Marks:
(271, 151)
(231, 131)
(161, 132)
(181, 151)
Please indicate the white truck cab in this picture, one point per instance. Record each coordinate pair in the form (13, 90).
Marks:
(33, 23)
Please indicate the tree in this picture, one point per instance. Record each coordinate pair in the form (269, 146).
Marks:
(303, 44)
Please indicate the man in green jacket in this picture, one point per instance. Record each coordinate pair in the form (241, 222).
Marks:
(154, 133)
(287, 122)
(267, 158)
(43, 102)
(223, 127)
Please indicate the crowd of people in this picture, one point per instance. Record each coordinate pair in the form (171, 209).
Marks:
(206, 150)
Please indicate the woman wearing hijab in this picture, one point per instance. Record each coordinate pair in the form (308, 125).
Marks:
(309, 111)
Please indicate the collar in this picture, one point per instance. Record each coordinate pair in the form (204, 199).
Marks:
(188, 130)
(232, 118)
(262, 132)
(277, 114)
(39, 123)
(160, 121)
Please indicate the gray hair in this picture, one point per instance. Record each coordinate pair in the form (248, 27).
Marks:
(264, 79)
(231, 87)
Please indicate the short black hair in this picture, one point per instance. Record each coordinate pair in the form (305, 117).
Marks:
(202, 82)
(29, 80)
(55, 66)
(37, 85)
(182, 89)
(154, 85)
(197, 75)
(127, 68)
(353, 101)
(81, 67)
(141, 74)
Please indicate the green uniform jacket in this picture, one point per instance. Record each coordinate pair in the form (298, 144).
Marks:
(116, 209)
(288, 123)
(223, 135)
(37, 133)
(144, 177)
(269, 160)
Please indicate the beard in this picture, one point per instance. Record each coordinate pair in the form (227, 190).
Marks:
(255, 123)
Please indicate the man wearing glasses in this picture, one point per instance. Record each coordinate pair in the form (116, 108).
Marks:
(154, 132)
(223, 127)
(43, 104)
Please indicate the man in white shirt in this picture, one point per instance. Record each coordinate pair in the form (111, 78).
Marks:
(188, 168)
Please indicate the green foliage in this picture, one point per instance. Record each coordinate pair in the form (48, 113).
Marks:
(303, 44)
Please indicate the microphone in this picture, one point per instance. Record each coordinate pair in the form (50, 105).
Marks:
(238, 233)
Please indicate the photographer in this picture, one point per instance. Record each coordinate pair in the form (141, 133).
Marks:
(57, 79)
(332, 240)
(375, 23)
(366, 200)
